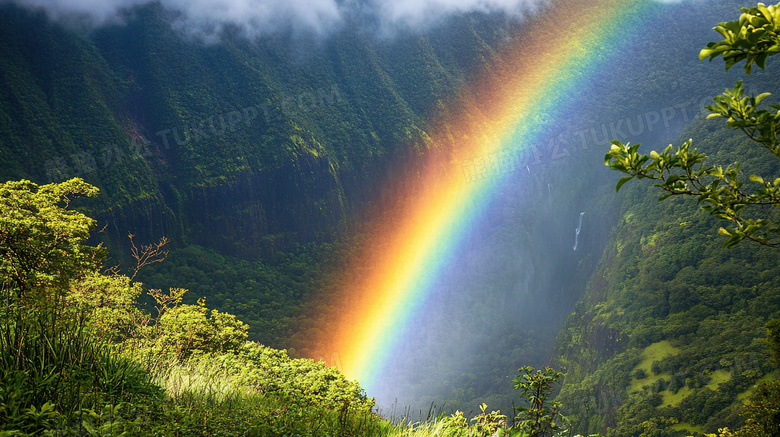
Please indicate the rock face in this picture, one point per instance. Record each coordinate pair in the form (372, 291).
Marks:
(242, 146)
(301, 201)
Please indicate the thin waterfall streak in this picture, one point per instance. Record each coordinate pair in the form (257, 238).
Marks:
(577, 231)
(549, 196)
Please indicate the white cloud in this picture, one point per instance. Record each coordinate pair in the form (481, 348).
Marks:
(262, 17)
(97, 12)
(415, 11)
(257, 17)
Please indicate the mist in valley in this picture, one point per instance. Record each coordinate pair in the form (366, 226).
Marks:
(528, 259)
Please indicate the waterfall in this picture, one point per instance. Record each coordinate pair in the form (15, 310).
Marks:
(577, 231)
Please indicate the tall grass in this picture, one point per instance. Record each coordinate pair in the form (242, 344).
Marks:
(59, 377)
(52, 368)
(207, 395)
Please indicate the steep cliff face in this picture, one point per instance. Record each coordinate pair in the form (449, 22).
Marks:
(243, 146)
(258, 213)
(670, 330)
(247, 147)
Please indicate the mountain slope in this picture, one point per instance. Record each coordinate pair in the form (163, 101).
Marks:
(670, 330)
(262, 143)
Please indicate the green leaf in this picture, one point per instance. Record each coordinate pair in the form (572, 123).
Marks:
(761, 60)
(706, 52)
(672, 179)
(756, 178)
(765, 12)
(622, 181)
(761, 97)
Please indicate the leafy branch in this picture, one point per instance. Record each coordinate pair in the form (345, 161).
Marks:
(753, 213)
(752, 38)
(681, 171)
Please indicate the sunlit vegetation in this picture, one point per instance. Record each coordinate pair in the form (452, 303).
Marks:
(671, 338)
(79, 357)
(683, 326)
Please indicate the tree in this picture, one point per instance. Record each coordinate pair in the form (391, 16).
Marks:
(773, 339)
(539, 418)
(42, 251)
(753, 210)
(110, 304)
(41, 240)
(51, 365)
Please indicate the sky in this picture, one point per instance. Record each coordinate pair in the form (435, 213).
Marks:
(264, 17)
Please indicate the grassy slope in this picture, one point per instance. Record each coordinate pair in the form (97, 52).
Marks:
(85, 93)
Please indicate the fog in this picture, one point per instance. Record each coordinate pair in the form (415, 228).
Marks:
(500, 304)
(206, 19)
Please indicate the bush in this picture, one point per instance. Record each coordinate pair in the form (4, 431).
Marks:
(762, 416)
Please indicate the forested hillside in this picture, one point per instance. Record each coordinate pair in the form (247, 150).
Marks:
(264, 159)
(669, 338)
(274, 141)
(262, 143)
(671, 324)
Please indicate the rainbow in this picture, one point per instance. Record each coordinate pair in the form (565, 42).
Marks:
(524, 93)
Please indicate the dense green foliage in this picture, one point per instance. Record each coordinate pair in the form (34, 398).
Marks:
(681, 171)
(78, 356)
(244, 146)
(677, 308)
(671, 328)
(42, 247)
(269, 294)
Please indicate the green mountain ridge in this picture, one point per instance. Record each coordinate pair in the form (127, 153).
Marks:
(669, 300)
(262, 160)
(184, 137)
